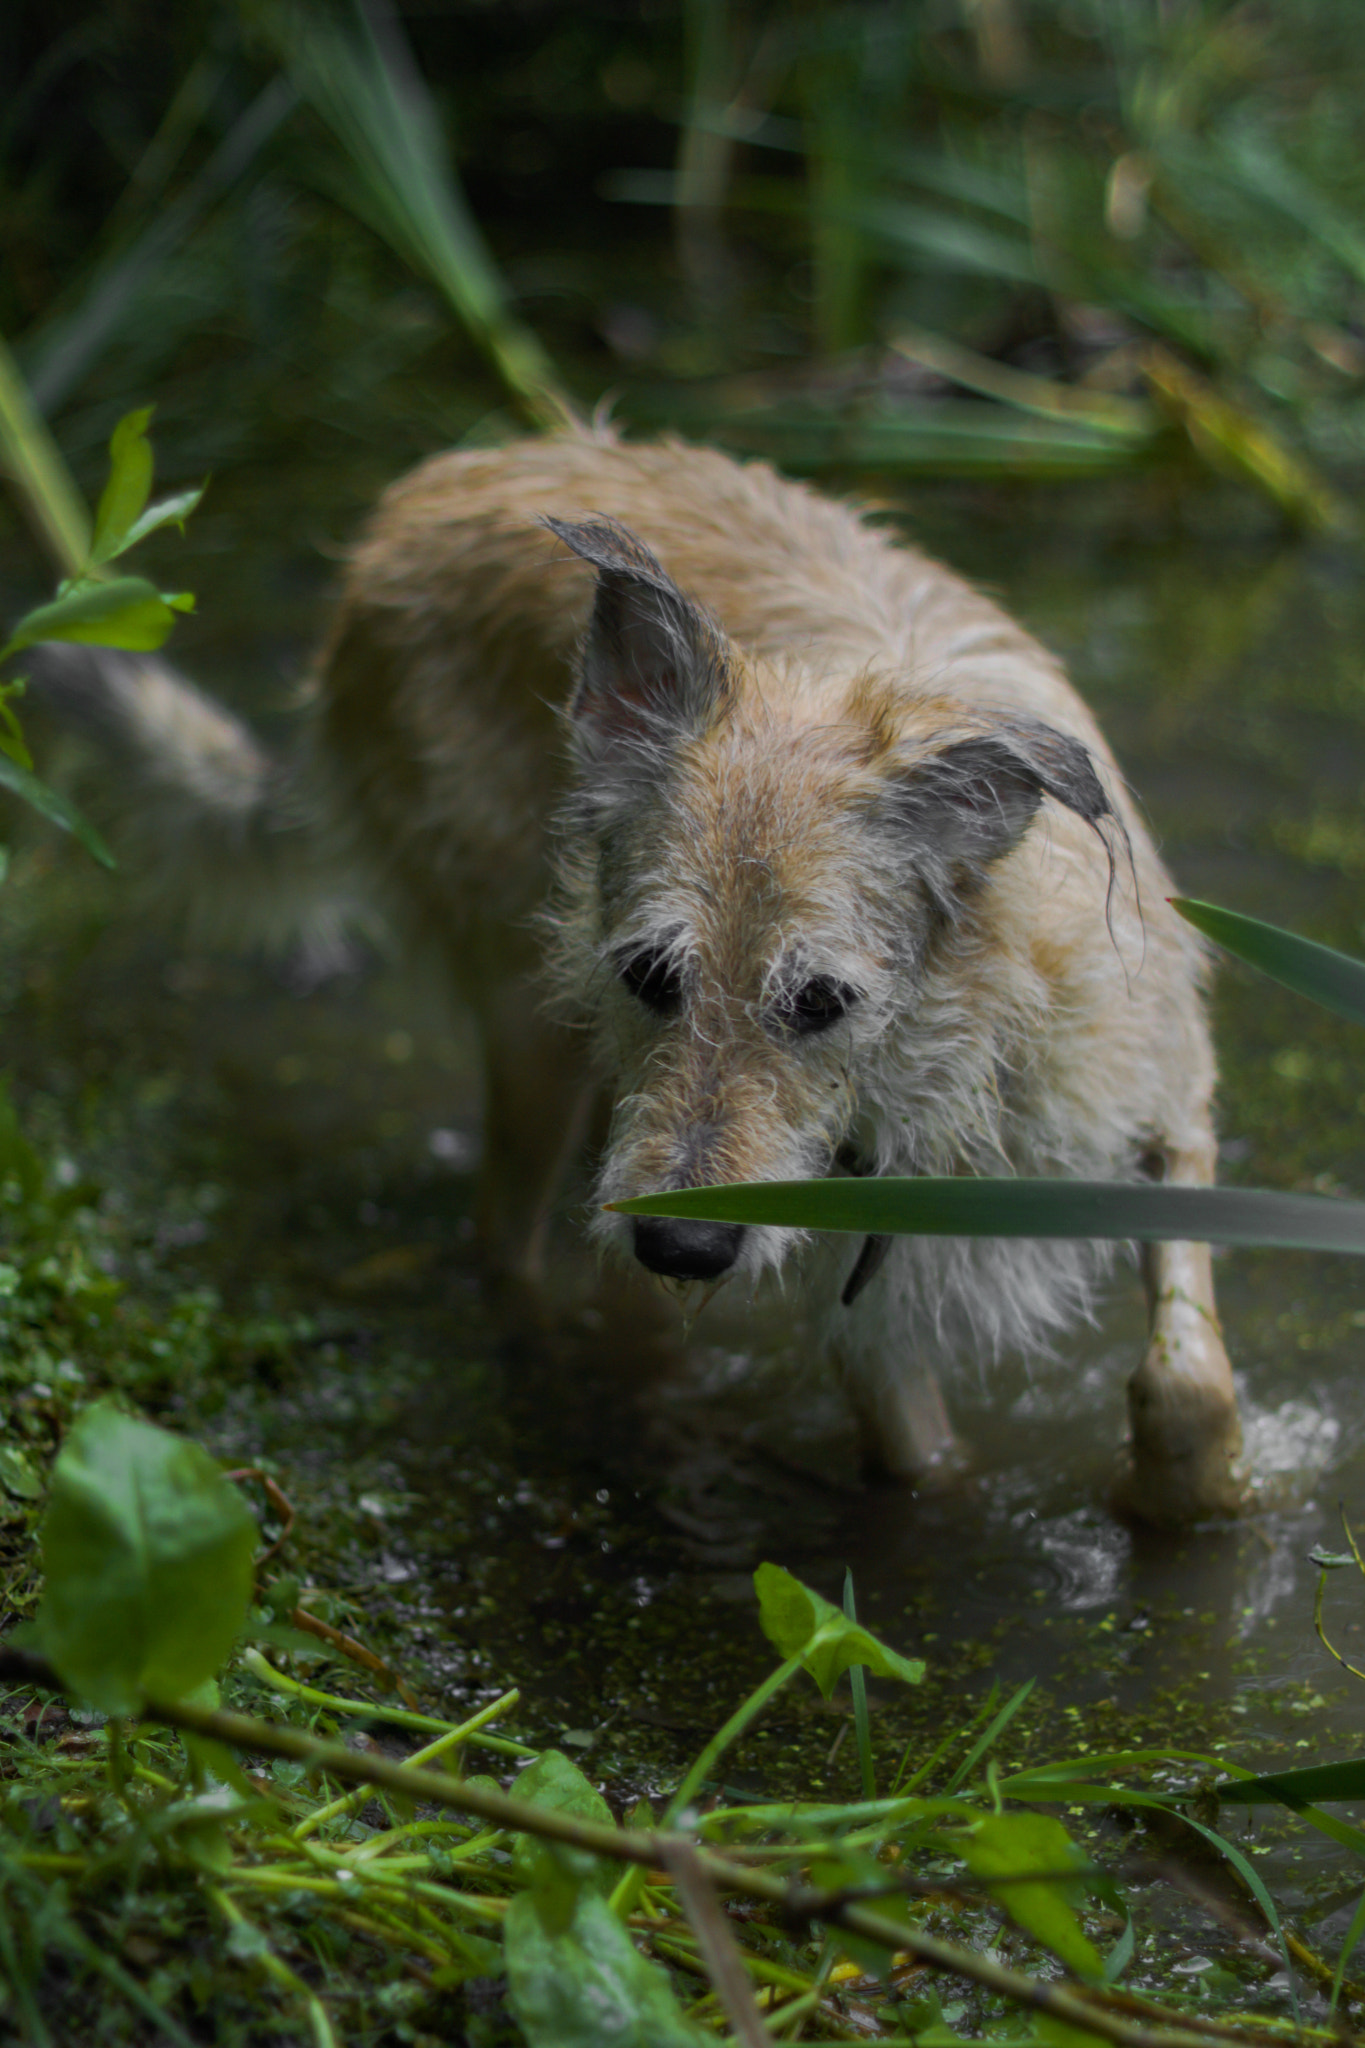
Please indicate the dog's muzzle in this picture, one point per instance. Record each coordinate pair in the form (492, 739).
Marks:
(687, 1251)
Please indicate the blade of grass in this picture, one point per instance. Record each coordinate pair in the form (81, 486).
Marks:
(364, 85)
(1231, 439)
(1128, 418)
(1348, 1947)
(989, 1736)
(933, 438)
(1345, 1780)
(1251, 1217)
(1319, 972)
(941, 1749)
(1259, 166)
(38, 471)
(65, 349)
(858, 1683)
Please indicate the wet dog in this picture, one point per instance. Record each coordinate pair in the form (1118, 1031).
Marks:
(726, 809)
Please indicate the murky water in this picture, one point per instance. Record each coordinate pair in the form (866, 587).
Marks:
(579, 1509)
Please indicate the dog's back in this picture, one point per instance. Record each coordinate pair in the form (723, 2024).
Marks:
(460, 622)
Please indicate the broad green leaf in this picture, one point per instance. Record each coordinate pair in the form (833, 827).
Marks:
(128, 489)
(588, 1986)
(127, 611)
(148, 1555)
(1319, 972)
(18, 1475)
(53, 805)
(1345, 1780)
(1257, 1217)
(555, 1782)
(1023, 1857)
(799, 1623)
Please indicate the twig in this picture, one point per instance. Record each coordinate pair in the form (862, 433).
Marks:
(279, 1500)
(720, 1952)
(1075, 2005)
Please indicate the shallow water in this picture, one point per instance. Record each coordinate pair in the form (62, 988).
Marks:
(564, 1508)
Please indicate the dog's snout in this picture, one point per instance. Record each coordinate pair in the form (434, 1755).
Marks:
(687, 1251)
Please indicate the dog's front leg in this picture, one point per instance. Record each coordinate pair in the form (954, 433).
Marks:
(1183, 1458)
(903, 1427)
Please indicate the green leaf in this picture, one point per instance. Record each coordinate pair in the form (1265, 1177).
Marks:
(1032, 1851)
(53, 805)
(166, 512)
(990, 1735)
(555, 1782)
(148, 1554)
(127, 611)
(1319, 972)
(18, 1476)
(1331, 1560)
(12, 738)
(1345, 1780)
(588, 1986)
(1257, 1217)
(798, 1623)
(128, 488)
(477, 1957)
(1057, 2034)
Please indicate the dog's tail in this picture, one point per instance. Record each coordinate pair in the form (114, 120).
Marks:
(236, 842)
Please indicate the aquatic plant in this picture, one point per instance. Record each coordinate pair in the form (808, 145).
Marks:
(91, 605)
(153, 1810)
(1046, 241)
(1121, 229)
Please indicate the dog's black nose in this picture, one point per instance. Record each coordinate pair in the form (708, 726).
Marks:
(687, 1251)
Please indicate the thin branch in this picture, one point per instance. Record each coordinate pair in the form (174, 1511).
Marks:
(1075, 2005)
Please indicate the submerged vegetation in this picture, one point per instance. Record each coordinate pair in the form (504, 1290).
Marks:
(1039, 240)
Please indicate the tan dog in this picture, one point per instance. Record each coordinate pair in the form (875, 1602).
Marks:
(819, 846)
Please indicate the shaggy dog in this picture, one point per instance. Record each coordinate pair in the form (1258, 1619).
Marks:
(717, 800)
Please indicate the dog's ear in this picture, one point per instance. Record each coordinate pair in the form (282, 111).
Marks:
(653, 663)
(971, 800)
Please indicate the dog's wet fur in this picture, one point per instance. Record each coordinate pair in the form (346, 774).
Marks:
(758, 839)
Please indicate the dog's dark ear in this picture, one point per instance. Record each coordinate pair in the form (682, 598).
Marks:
(971, 801)
(652, 661)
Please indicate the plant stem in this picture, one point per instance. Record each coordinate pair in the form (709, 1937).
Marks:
(858, 1683)
(351, 1801)
(721, 1741)
(375, 1710)
(38, 471)
(1088, 2008)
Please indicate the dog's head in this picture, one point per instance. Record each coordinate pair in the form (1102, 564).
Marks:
(778, 898)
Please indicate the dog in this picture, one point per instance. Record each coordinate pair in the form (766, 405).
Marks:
(758, 840)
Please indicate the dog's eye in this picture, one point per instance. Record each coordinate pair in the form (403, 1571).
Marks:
(815, 1005)
(653, 979)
